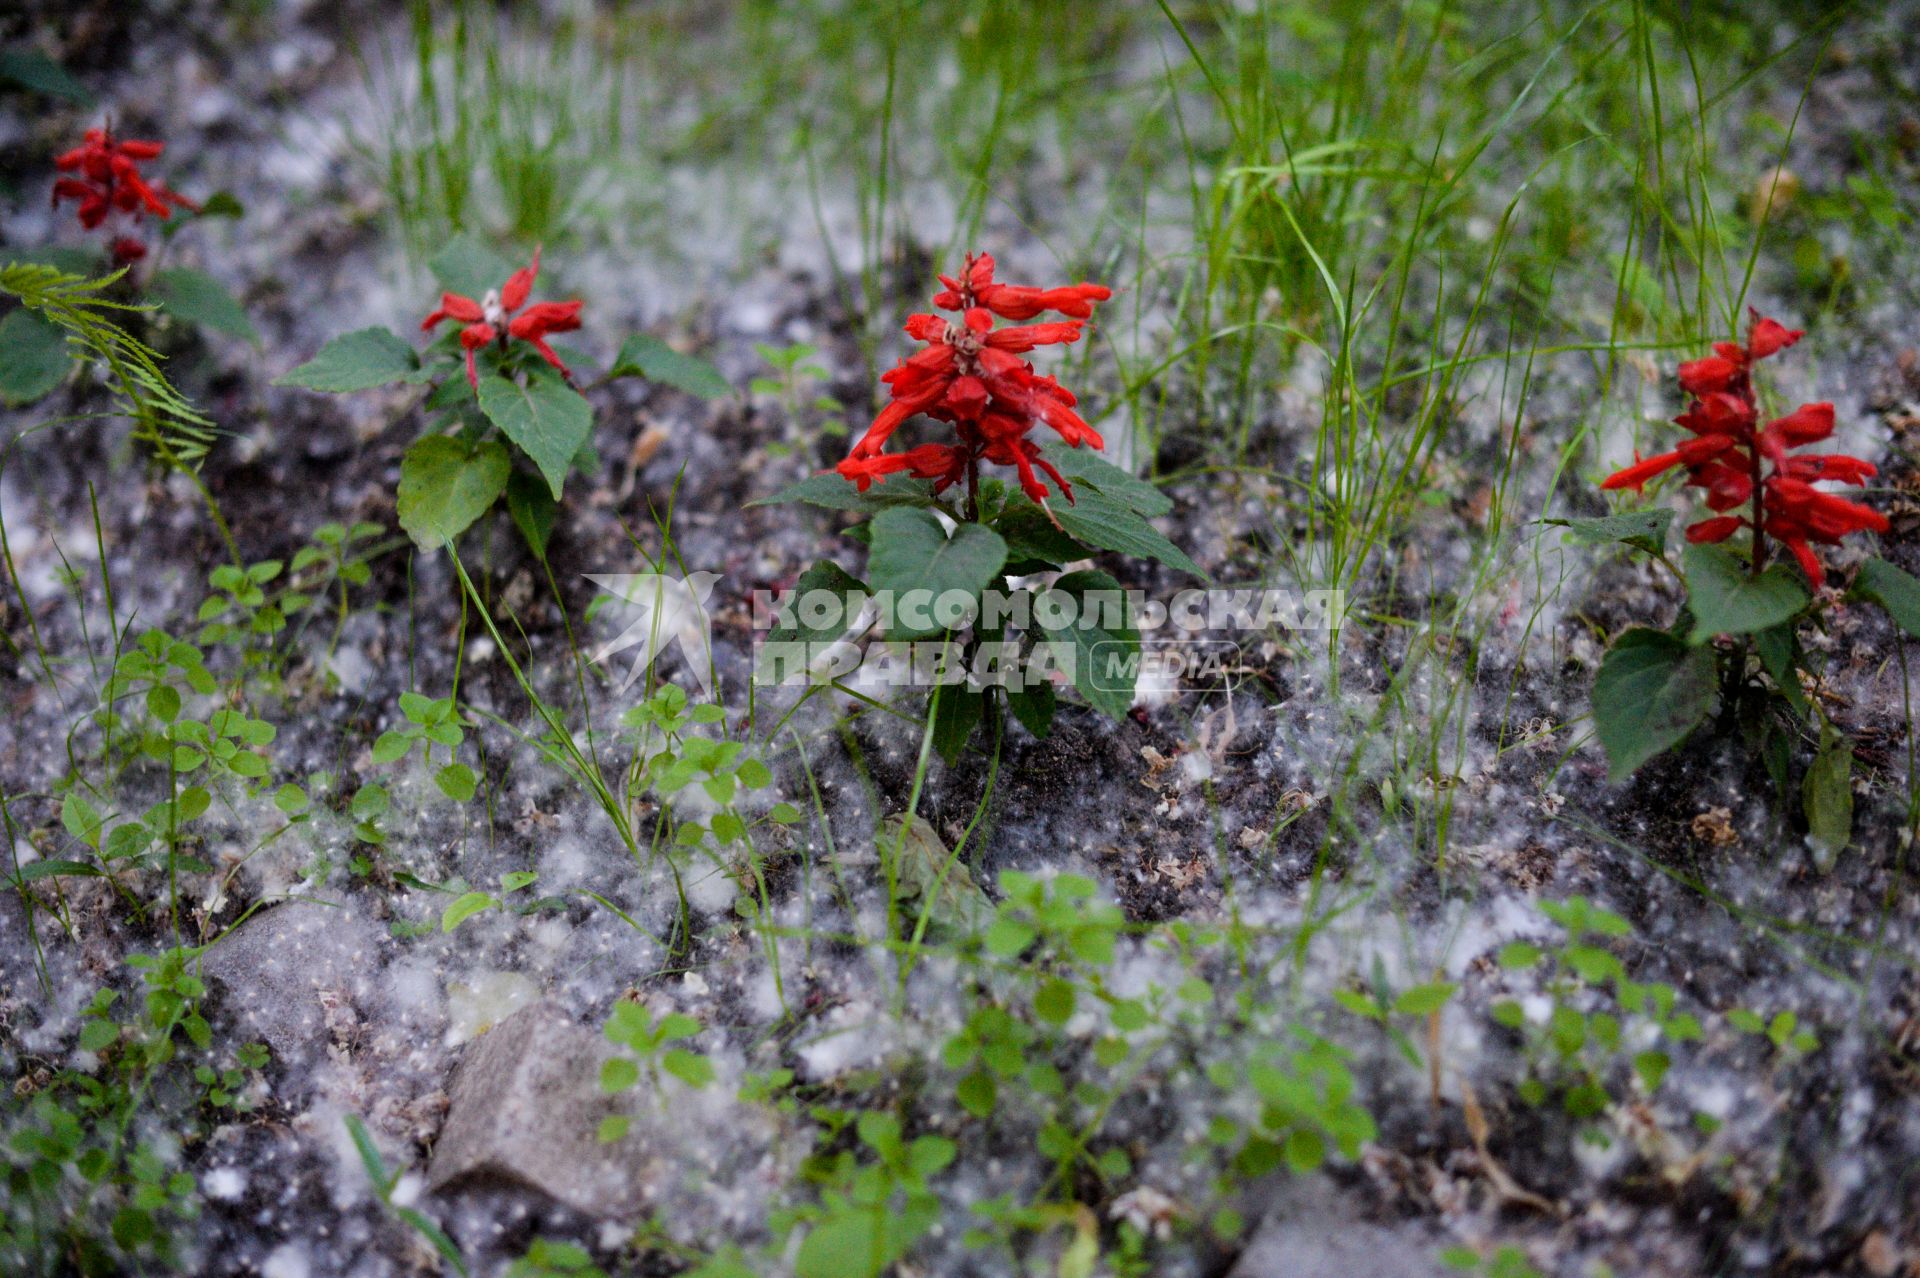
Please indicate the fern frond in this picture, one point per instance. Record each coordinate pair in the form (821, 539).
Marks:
(163, 418)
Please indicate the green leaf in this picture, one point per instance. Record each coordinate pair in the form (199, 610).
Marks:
(618, 1073)
(1422, 1000)
(547, 418)
(913, 557)
(1054, 1001)
(163, 702)
(34, 870)
(1652, 690)
(1033, 705)
(464, 908)
(1644, 529)
(1030, 535)
(81, 819)
(691, 1068)
(1519, 954)
(1099, 520)
(533, 508)
(977, 1093)
(830, 490)
(198, 298)
(955, 715)
(827, 622)
(649, 357)
(1827, 794)
(1896, 591)
(33, 357)
(1102, 651)
(32, 69)
(1727, 599)
(928, 872)
(359, 360)
(1085, 466)
(457, 782)
(468, 267)
(446, 484)
(850, 1244)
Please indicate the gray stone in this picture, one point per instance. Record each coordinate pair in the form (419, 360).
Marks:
(526, 1109)
(1313, 1230)
(283, 966)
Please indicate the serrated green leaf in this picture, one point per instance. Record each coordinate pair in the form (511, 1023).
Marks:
(1827, 795)
(1100, 520)
(468, 267)
(1652, 690)
(832, 491)
(546, 418)
(1102, 656)
(356, 361)
(913, 557)
(31, 69)
(198, 298)
(1894, 590)
(1725, 598)
(647, 356)
(1645, 529)
(33, 357)
(1085, 466)
(822, 623)
(532, 505)
(446, 484)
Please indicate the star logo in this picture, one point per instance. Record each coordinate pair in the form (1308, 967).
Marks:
(666, 610)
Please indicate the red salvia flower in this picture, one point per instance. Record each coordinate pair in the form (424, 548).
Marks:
(971, 376)
(1741, 464)
(487, 320)
(105, 179)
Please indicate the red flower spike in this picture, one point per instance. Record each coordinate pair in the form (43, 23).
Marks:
(970, 375)
(1729, 456)
(107, 179)
(492, 319)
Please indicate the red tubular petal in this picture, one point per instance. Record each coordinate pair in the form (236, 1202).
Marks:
(1717, 413)
(1026, 337)
(1637, 475)
(1807, 424)
(1066, 489)
(546, 353)
(546, 317)
(980, 272)
(1837, 467)
(474, 336)
(1693, 452)
(473, 378)
(1714, 529)
(1809, 562)
(454, 306)
(140, 150)
(1769, 336)
(1706, 376)
(926, 328)
(966, 396)
(890, 419)
(514, 294)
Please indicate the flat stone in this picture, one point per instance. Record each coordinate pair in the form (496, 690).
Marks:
(1313, 1230)
(526, 1108)
(281, 964)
